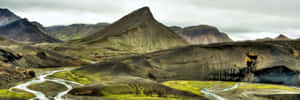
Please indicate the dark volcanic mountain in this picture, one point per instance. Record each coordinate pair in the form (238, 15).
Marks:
(7, 17)
(202, 34)
(74, 31)
(276, 62)
(282, 37)
(23, 30)
(137, 31)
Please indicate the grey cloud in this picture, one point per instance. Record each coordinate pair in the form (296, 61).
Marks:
(63, 5)
(239, 18)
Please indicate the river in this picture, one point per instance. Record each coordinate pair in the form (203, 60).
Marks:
(211, 93)
(41, 79)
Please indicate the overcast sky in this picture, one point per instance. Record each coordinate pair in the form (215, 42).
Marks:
(240, 19)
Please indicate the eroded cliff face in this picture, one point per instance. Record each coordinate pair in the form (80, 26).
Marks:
(277, 75)
(225, 61)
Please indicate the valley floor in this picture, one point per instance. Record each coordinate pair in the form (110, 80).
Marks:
(211, 90)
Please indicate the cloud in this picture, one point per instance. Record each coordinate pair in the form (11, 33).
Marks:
(241, 19)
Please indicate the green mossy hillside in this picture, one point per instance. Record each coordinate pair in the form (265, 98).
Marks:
(80, 77)
(18, 94)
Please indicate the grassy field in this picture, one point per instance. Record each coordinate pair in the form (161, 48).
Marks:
(80, 77)
(19, 94)
(197, 86)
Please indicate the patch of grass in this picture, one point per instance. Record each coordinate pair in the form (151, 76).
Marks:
(138, 97)
(196, 86)
(80, 77)
(68, 75)
(5, 93)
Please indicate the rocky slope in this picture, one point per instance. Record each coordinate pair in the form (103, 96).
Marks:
(74, 31)
(23, 30)
(7, 17)
(202, 34)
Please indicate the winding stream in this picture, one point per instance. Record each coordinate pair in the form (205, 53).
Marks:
(209, 92)
(42, 78)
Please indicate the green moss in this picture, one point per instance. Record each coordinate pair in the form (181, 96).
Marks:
(5, 93)
(196, 86)
(81, 77)
(68, 75)
(138, 97)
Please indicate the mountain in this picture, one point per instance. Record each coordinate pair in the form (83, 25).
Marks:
(7, 17)
(74, 31)
(23, 30)
(138, 31)
(281, 37)
(202, 34)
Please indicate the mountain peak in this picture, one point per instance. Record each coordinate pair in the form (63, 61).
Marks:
(282, 37)
(137, 30)
(142, 14)
(143, 11)
(6, 16)
(4, 10)
(7, 13)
